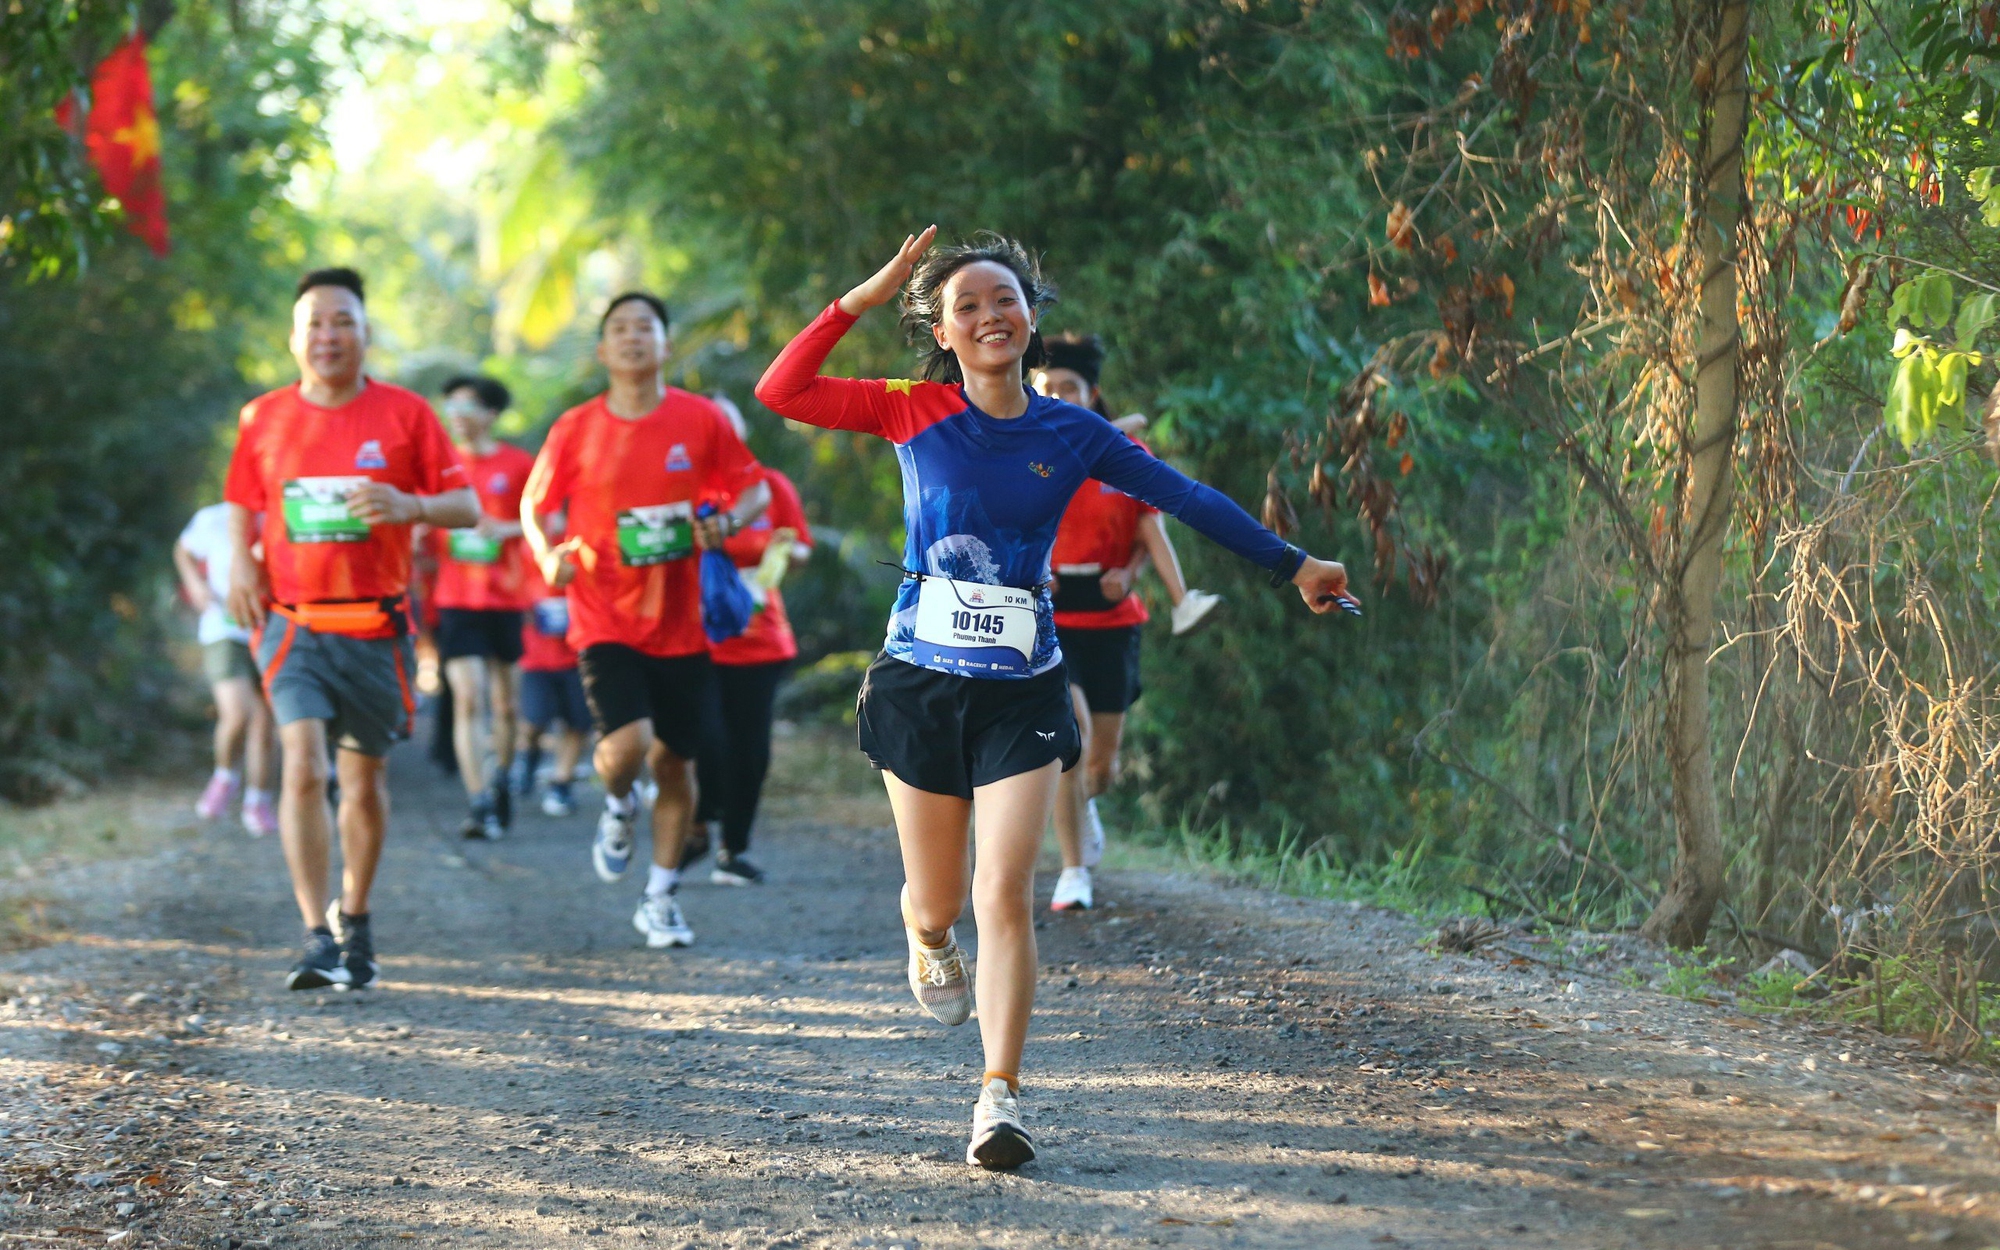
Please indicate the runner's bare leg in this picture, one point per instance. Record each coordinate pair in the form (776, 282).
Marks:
(364, 819)
(673, 810)
(1071, 798)
(932, 831)
(303, 824)
(1010, 815)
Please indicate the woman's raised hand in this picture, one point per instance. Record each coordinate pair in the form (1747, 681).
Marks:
(890, 278)
(1323, 585)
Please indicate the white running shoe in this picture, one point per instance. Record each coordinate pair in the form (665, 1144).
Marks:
(1093, 836)
(659, 918)
(1072, 891)
(940, 979)
(999, 1142)
(611, 852)
(1192, 610)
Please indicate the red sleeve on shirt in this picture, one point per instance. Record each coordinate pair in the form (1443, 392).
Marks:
(549, 482)
(245, 485)
(438, 467)
(895, 408)
(731, 468)
(786, 507)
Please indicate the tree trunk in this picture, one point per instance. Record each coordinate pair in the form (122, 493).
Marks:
(1700, 865)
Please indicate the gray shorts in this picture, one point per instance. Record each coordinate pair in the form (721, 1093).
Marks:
(227, 659)
(361, 687)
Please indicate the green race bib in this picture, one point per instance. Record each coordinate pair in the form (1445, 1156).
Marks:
(316, 510)
(655, 535)
(473, 547)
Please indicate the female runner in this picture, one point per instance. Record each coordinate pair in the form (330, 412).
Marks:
(966, 712)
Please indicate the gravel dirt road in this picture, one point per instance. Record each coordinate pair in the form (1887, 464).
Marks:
(1211, 1066)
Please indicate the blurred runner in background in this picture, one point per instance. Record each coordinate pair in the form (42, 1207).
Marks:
(482, 589)
(1105, 540)
(627, 470)
(736, 751)
(242, 717)
(551, 690)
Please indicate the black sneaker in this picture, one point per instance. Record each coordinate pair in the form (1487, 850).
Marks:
(357, 952)
(321, 968)
(500, 800)
(695, 847)
(479, 820)
(735, 870)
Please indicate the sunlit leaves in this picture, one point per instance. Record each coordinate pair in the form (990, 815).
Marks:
(1929, 385)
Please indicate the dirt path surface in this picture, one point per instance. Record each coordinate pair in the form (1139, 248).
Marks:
(1210, 1067)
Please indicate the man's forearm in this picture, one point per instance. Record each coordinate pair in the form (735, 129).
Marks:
(750, 506)
(452, 510)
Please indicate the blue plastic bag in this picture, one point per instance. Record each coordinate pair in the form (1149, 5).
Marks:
(726, 605)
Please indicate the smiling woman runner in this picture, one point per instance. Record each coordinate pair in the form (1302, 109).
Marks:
(966, 711)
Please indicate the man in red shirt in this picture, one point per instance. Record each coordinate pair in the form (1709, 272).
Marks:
(339, 467)
(748, 669)
(1105, 540)
(630, 468)
(482, 589)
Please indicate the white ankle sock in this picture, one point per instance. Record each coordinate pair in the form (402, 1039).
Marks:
(231, 775)
(620, 807)
(661, 880)
(254, 795)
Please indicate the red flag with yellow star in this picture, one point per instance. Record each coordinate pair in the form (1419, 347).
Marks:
(122, 136)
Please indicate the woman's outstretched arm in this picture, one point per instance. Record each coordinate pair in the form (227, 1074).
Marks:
(1216, 516)
(792, 387)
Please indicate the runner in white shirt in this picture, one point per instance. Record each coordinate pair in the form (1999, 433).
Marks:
(242, 718)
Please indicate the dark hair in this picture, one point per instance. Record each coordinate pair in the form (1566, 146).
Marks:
(342, 277)
(651, 301)
(923, 297)
(493, 394)
(1082, 355)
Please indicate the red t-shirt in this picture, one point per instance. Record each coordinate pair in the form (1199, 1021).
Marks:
(1100, 527)
(544, 626)
(630, 489)
(295, 462)
(769, 638)
(482, 573)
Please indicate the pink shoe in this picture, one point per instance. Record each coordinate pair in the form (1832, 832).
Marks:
(216, 799)
(260, 817)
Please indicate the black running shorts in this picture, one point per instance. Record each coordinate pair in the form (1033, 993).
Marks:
(624, 685)
(1105, 663)
(949, 734)
(487, 633)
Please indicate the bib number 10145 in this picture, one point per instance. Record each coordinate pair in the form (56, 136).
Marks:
(968, 627)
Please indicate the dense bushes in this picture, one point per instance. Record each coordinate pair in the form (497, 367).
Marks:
(118, 385)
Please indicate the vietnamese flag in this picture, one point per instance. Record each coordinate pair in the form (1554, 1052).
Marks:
(122, 136)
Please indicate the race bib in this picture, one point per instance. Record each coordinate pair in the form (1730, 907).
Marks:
(552, 616)
(656, 534)
(472, 547)
(974, 627)
(316, 510)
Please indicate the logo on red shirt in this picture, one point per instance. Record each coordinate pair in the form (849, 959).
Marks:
(677, 459)
(497, 484)
(370, 456)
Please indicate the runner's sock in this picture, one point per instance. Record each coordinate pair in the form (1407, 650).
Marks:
(230, 775)
(621, 806)
(259, 796)
(1012, 1083)
(662, 881)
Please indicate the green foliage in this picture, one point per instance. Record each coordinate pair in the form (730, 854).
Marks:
(118, 385)
(52, 214)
